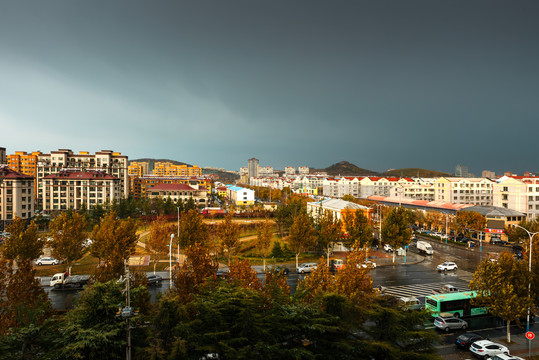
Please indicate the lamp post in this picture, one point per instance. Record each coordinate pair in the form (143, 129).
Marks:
(170, 260)
(531, 235)
(177, 207)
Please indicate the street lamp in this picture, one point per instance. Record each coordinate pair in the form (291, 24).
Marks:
(177, 207)
(170, 260)
(531, 235)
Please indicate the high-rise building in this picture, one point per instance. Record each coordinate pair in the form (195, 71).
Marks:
(16, 195)
(3, 155)
(488, 174)
(108, 161)
(25, 163)
(303, 170)
(461, 171)
(252, 164)
(170, 169)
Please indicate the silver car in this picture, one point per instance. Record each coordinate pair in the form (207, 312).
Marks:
(47, 261)
(450, 323)
(306, 268)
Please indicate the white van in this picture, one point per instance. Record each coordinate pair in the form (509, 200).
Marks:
(425, 247)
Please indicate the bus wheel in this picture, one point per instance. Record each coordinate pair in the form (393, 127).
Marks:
(457, 315)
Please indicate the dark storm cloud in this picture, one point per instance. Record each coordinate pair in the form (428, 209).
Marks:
(381, 84)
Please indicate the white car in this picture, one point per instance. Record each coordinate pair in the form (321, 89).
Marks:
(369, 264)
(47, 261)
(388, 248)
(505, 357)
(485, 348)
(447, 266)
(306, 268)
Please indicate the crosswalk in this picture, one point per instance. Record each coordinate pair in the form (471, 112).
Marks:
(422, 290)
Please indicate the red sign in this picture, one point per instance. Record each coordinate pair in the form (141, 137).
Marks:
(495, 231)
(530, 335)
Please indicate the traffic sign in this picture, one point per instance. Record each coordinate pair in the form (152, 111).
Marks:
(530, 335)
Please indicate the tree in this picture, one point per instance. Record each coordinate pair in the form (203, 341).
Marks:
(467, 221)
(396, 228)
(502, 287)
(229, 233)
(24, 242)
(285, 214)
(114, 240)
(329, 231)
(302, 235)
(358, 229)
(158, 238)
(264, 233)
(241, 272)
(68, 233)
(192, 229)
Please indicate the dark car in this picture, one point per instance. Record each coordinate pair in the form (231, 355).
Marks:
(497, 241)
(154, 280)
(467, 339)
(281, 269)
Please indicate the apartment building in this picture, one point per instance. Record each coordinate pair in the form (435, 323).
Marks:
(108, 161)
(413, 191)
(510, 193)
(338, 187)
(138, 168)
(240, 196)
(265, 171)
(457, 190)
(3, 159)
(380, 186)
(25, 163)
(16, 195)
(289, 170)
(170, 169)
(177, 192)
(70, 189)
(141, 185)
(252, 165)
(303, 170)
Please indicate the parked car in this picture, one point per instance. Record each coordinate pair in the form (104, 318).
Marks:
(154, 280)
(467, 339)
(486, 348)
(497, 241)
(369, 264)
(388, 248)
(505, 357)
(306, 268)
(47, 261)
(410, 303)
(447, 266)
(281, 269)
(450, 323)
(445, 289)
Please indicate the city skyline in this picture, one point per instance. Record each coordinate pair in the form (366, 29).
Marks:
(381, 85)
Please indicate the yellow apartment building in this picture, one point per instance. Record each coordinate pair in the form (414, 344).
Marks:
(170, 169)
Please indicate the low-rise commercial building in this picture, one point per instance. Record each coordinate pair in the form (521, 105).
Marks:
(142, 184)
(176, 192)
(240, 196)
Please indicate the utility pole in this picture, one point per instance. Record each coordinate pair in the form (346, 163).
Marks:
(127, 312)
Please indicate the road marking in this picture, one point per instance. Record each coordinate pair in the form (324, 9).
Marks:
(419, 290)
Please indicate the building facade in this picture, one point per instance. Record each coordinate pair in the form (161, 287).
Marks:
(69, 190)
(252, 165)
(108, 161)
(142, 184)
(25, 163)
(170, 169)
(176, 192)
(138, 168)
(476, 191)
(16, 195)
(3, 159)
(240, 196)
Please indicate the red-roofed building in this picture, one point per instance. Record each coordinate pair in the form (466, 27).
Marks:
(70, 189)
(179, 191)
(16, 195)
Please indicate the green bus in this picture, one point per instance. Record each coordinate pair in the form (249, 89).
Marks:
(457, 304)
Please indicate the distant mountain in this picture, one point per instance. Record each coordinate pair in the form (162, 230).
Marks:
(415, 172)
(344, 168)
(223, 176)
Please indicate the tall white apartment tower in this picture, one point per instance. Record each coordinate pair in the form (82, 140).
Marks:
(252, 164)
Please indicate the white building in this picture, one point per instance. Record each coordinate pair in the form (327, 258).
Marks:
(476, 191)
(379, 186)
(240, 196)
(289, 170)
(338, 187)
(16, 195)
(413, 191)
(303, 170)
(70, 189)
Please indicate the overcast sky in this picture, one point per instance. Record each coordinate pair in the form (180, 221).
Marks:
(382, 84)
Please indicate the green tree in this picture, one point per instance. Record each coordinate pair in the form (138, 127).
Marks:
(24, 242)
(358, 229)
(396, 228)
(302, 235)
(329, 231)
(502, 287)
(114, 240)
(264, 233)
(158, 239)
(285, 214)
(192, 229)
(68, 237)
(228, 232)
